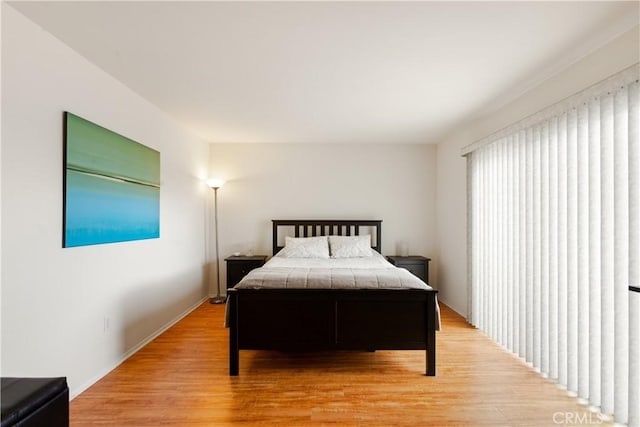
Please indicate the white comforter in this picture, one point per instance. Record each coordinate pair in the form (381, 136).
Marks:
(373, 272)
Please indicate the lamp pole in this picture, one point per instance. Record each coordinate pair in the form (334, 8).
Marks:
(215, 185)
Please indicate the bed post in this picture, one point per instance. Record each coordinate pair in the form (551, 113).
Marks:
(234, 350)
(431, 334)
(431, 353)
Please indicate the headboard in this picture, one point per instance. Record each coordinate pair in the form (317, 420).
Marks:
(313, 228)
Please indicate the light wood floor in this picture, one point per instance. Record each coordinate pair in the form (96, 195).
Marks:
(181, 379)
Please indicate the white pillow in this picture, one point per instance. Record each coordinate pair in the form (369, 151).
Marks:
(350, 246)
(305, 247)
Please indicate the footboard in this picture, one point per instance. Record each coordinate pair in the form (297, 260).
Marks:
(326, 319)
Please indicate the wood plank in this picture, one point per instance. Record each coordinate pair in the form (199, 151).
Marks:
(181, 379)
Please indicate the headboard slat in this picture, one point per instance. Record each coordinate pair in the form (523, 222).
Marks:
(328, 228)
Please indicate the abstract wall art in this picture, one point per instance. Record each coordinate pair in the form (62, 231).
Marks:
(111, 186)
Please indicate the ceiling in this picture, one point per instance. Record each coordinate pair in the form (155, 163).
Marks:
(331, 72)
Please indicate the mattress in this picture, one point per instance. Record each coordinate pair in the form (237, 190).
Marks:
(373, 272)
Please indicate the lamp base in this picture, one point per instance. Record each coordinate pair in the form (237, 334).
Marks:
(218, 300)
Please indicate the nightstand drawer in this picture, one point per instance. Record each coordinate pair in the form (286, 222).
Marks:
(418, 265)
(417, 270)
(240, 266)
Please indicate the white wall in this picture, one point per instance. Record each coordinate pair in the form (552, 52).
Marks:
(55, 300)
(619, 54)
(394, 183)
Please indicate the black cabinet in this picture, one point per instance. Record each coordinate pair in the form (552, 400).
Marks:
(418, 265)
(239, 266)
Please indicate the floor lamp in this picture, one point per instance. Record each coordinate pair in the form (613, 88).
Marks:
(215, 184)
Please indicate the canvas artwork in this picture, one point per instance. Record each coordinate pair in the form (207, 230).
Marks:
(111, 186)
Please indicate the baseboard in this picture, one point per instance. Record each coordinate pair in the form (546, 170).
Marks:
(76, 391)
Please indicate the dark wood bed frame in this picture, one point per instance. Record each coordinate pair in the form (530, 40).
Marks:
(331, 319)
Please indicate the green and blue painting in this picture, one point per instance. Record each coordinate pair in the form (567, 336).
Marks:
(112, 186)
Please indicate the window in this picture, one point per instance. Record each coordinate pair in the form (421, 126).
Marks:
(554, 205)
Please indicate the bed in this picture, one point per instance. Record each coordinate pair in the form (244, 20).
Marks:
(290, 307)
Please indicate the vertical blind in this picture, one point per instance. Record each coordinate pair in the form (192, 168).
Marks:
(554, 238)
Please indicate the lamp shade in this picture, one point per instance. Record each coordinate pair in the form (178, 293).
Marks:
(215, 182)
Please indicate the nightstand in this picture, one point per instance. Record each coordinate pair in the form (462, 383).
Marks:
(416, 264)
(239, 266)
